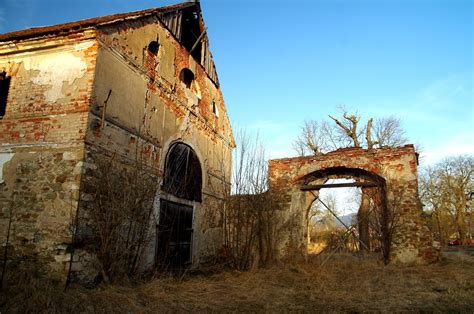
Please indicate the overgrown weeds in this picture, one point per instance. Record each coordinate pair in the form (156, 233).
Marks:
(251, 212)
(116, 220)
(346, 283)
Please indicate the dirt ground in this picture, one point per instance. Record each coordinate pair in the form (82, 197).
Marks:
(344, 284)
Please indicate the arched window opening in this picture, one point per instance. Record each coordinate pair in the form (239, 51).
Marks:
(183, 176)
(187, 77)
(153, 47)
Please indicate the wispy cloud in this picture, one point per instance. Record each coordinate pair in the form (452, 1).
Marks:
(443, 93)
(280, 145)
(435, 102)
(462, 144)
(277, 137)
(264, 125)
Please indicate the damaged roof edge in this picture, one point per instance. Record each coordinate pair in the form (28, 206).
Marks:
(90, 22)
(94, 23)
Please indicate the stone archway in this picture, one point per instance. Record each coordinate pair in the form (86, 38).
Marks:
(394, 169)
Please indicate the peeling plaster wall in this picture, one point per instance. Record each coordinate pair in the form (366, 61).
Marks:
(139, 103)
(56, 78)
(75, 96)
(412, 241)
(42, 135)
(4, 158)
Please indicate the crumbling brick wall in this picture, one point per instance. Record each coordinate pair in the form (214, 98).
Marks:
(140, 108)
(42, 144)
(82, 91)
(412, 240)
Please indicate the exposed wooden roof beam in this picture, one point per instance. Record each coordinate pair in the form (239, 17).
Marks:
(313, 187)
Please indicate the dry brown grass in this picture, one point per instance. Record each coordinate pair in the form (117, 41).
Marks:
(344, 284)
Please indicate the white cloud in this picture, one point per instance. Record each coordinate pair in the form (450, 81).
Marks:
(277, 137)
(439, 117)
(280, 153)
(460, 145)
(280, 144)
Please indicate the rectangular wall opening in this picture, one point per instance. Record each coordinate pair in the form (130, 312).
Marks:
(174, 235)
(4, 87)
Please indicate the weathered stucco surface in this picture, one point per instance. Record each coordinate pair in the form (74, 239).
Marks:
(42, 134)
(149, 104)
(77, 95)
(395, 167)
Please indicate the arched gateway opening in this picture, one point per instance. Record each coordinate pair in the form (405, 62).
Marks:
(391, 217)
(332, 212)
(182, 188)
(367, 230)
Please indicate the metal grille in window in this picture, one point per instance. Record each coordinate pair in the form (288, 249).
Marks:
(183, 177)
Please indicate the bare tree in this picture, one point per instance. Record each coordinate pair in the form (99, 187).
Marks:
(319, 216)
(118, 216)
(308, 140)
(327, 216)
(320, 137)
(250, 166)
(389, 132)
(349, 127)
(430, 195)
(250, 217)
(445, 190)
(368, 135)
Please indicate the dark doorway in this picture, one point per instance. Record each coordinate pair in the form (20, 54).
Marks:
(183, 181)
(174, 234)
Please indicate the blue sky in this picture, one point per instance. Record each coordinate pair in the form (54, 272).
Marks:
(281, 62)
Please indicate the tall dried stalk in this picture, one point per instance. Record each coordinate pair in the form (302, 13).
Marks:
(119, 214)
(251, 210)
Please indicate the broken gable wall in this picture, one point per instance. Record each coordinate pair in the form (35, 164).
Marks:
(412, 240)
(42, 143)
(140, 108)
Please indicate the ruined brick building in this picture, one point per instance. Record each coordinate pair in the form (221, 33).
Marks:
(121, 86)
(388, 175)
(141, 88)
